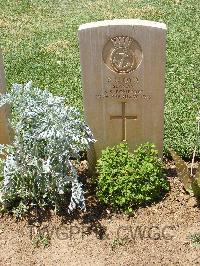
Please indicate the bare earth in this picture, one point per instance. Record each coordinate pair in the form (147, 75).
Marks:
(155, 235)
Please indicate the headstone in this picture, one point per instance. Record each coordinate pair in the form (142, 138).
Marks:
(5, 132)
(123, 73)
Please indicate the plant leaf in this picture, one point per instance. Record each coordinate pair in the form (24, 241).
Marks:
(197, 175)
(196, 183)
(182, 171)
(195, 188)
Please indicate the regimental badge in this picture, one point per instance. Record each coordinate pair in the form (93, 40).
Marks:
(122, 54)
(122, 57)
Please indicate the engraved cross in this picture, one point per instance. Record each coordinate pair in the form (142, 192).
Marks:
(124, 117)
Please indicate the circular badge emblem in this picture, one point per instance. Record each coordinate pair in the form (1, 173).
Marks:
(122, 54)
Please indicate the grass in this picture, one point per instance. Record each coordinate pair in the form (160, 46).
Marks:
(39, 43)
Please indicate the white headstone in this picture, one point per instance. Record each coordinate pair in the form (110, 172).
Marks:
(123, 74)
(5, 133)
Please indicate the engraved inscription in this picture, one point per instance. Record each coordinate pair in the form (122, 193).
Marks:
(122, 54)
(124, 95)
(123, 88)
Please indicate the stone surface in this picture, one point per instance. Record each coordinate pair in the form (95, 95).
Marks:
(5, 137)
(123, 73)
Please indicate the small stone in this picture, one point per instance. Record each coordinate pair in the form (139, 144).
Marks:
(108, 211)
(192, 202)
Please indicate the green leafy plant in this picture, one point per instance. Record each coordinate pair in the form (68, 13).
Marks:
(126, 180)
(41, 240)
(195, 239)
(117, 242)
(40, 167)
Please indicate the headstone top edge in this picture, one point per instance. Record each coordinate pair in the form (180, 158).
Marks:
(127, 22)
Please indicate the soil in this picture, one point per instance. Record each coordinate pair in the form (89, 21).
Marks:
(153, 235)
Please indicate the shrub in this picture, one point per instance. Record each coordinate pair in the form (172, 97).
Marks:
(39, 168)
(126, 180)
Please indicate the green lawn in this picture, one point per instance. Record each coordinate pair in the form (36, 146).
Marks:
(39, 43)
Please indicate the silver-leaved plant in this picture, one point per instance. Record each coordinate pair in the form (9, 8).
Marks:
(48, 137)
